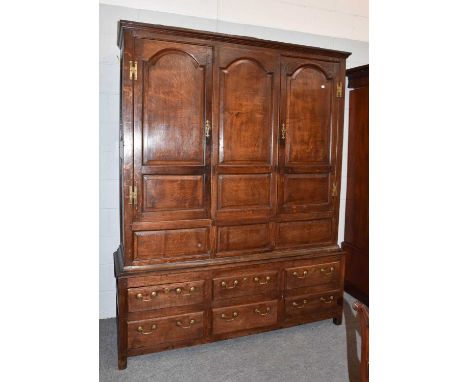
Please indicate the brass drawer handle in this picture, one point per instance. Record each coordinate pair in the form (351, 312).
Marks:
(181, 325)
(323, 270)
(300, 306)
(257, 280)
(234, 316)
(142, 331)
(331, 298)
(139, 296)
(283, 131)
(267, 312)
(179, 291)
(191, 290)
(304, 275)
(225, 285)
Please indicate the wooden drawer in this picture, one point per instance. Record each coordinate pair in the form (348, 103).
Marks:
(245, 284)
(242, 317)
(307, 304)
(166, 295)
(167, 329)
(314, 274)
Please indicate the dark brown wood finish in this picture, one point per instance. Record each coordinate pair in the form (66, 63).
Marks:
(226, 210)
(356, 239)
(363, 314)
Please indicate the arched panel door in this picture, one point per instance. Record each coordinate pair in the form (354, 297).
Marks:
(171, 151)
(171, 147)
(306, 163)
(245, 185)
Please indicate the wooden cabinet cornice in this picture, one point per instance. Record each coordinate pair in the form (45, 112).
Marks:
(230, 169)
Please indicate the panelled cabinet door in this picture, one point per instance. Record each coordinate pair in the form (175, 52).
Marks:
(306, 161)
(245, 184)
(172, 120)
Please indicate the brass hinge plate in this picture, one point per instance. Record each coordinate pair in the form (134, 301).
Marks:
(132, 195)
(133, 70)
(339, 90)
(334, 189)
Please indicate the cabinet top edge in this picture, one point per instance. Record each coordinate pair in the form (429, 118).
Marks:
(358, 71)
(222, 37)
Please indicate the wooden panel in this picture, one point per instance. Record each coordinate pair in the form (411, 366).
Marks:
(163, 330)
(356, 234)
(239, 238)
(308, 304)
(245, 284)
(239, 191)
(171, 192)
(165, 295)
(174, 243)
(303, 233)
(173, 107)
(172, 99)
(244, 317)
(308, 116)
(305, 189)
(326, 274)
(246, 119)
(307, 160)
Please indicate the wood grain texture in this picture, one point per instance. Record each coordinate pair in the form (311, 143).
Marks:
(314, 274)
(166, 295)
(167, 329)
(175, 243)
(304, 305)
(356, 237)
(245, 284)
(227, 209)
(363, 314)
(242, 317)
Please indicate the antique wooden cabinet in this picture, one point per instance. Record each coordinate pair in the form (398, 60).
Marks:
(356, 240)
(230, 175)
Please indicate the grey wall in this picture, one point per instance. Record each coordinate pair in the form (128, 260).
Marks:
(109, 115)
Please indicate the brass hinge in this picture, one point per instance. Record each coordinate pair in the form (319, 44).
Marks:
(339, 90)
(132, 195)
(334, 189)
(133, 70)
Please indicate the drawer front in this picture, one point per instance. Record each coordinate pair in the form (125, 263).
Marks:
(242, 317)
(312, 275)
(245, 284)
(166, 295)
(175, 244)
(163, 330)
(308, 304)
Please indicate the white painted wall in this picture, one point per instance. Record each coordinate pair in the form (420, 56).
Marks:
(332, 18)
(309, 22)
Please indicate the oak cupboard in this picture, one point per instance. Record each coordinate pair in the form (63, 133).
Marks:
(230, 165)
